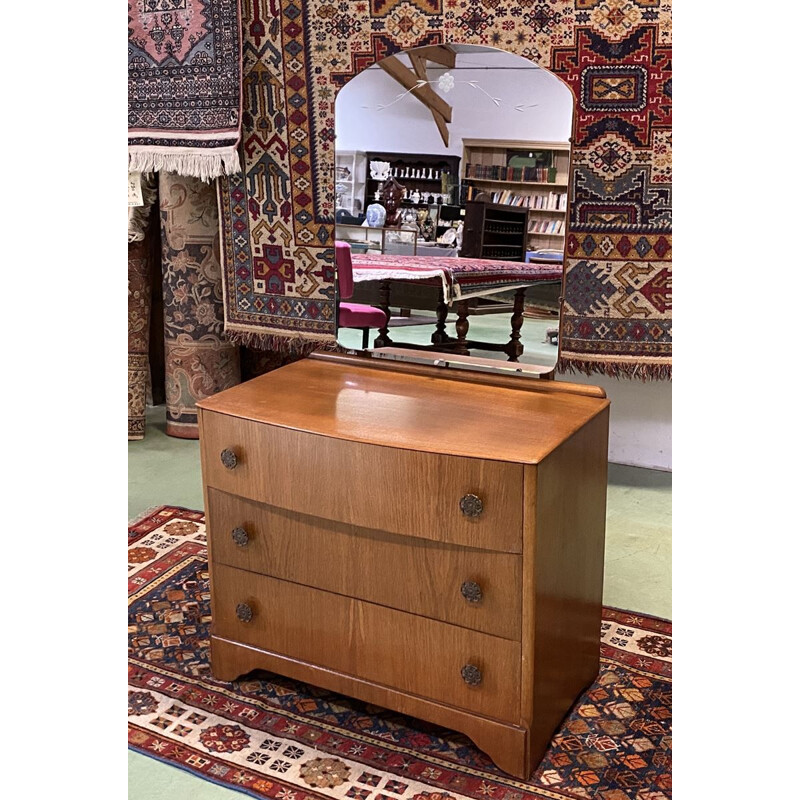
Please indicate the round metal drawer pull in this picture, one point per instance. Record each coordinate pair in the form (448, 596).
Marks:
(471, 505)
(471, 675)
(244, 612)
(228, 458)
(471, 592)
(239, 535)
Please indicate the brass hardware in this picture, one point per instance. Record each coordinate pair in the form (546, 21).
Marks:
(239, 535)
(228, 458)
(471, 505)
(471, 675)
(471, 592)
(245, 613)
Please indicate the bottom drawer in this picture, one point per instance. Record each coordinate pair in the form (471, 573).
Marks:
(414, 654)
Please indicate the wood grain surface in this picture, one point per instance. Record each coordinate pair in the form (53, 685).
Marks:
(505, 743)
(409, 574)
(399, 491)
(409, 411)
(353, 549)
(407, 652)
(564, 548)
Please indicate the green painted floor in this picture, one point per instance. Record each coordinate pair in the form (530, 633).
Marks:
(482, 328)
(638, 571)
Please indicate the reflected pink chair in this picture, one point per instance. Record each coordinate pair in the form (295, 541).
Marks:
(354, 315)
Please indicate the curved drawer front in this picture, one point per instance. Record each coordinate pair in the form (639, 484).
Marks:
(464, 501)
(414, 654)
(476, 589)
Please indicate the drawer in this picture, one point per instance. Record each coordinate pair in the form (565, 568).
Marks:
(477, 589)
(414, 654)
(427, 495)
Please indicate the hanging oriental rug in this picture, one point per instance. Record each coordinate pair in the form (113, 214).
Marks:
(616, 58)
(184, 86)
(271, 737)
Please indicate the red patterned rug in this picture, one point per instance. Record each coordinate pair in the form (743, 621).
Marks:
(268, 736)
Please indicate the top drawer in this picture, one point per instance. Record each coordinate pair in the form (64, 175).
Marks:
(464, 501)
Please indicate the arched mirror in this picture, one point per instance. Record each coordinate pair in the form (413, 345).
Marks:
(451, 184)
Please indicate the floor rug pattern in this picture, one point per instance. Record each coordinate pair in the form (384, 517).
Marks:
(271, 737)
(616, 58)
(184, 86)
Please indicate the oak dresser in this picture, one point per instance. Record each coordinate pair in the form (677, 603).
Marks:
(425, 540)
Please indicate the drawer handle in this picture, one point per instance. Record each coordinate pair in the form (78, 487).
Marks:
(244, 612)
(471, 592)
(228, 458)
(471, 505)
(239, 535)
(471, 675)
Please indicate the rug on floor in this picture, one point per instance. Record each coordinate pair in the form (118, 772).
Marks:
(184, 86)
(271, 737)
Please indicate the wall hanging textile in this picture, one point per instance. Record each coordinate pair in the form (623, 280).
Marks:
(271, 737)
(184, 86)
(615, 56)
(198, 360)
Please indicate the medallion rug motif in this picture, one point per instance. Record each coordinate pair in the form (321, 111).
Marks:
(615, 56)
(184, 86)
(271, 737)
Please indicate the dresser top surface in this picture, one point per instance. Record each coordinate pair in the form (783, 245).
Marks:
(428, 413)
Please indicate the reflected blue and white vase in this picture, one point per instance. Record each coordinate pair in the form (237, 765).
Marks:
(376, 215)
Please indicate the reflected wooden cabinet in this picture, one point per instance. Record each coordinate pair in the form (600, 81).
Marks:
(494, 231)
(506, 170)
(425, 542)
(435, 177)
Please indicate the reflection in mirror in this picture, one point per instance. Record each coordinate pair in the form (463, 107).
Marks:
(451, 180)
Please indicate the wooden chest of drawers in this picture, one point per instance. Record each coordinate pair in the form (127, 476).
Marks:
(429, 543)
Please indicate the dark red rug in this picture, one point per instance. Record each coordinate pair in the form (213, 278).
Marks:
(268, 736)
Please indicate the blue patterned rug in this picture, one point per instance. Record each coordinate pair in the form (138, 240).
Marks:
(269, 736)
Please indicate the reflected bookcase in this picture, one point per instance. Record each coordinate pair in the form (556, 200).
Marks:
(532, 176)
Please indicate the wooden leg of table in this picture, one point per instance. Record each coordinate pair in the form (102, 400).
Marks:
(462, 328)
(383, 340)
(515, 347)
(439, 336)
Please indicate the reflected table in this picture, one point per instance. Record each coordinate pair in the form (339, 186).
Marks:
(456, 280)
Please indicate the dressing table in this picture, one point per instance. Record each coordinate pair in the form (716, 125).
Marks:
(424, 539)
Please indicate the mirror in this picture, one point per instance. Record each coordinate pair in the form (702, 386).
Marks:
(451, 181)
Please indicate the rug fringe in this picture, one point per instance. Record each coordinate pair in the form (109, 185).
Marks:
(282, 343)
(642, 372)
(206, 166)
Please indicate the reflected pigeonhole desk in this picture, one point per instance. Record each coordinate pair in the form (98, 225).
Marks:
(439, 283)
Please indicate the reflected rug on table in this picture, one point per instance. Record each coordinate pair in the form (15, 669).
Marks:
(268, 736)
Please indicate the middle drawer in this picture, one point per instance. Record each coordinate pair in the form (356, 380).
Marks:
(476, 589)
